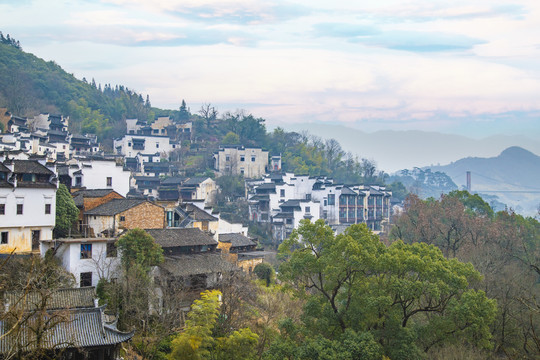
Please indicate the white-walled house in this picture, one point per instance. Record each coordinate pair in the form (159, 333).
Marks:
(99, 174)
(27, 205)
(132, 145)
(88, 259)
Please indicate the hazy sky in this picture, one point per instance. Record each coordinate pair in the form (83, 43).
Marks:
(469, 67)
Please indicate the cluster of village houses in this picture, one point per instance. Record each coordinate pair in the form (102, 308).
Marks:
(137, 187)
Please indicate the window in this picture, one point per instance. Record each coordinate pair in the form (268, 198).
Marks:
(5, 237)
(47, 209)
(129, 144)
(2, 209)
(111, 250)
(19, 209)
(253, 158)
(289, 221)
(227, 158)
(242, 158)
(109, 181)
(86, 251)
(157, 145)
(122, 218)
(282, 192)
(78, 181)
(241, 171)
(308, 209)
(86, 279)
(331, 199)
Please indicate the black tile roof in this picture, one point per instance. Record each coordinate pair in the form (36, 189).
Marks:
(291, 203)
(236, 240)
(196, 264)
(29, 167)
(93, 193)
(347, 191)
(181, 237)
(82, 328)
(198, 214)
(194, 181)
(175, 180)
(115, 206)
(57, 299)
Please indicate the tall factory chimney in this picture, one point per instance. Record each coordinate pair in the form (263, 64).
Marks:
(469, 181)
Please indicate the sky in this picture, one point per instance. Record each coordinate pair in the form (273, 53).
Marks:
(462, 67)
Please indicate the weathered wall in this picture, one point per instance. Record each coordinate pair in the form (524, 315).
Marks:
(144, 216)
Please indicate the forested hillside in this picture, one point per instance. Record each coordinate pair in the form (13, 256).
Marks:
(29, 85)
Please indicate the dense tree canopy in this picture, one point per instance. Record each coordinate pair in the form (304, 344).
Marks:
(409, 298)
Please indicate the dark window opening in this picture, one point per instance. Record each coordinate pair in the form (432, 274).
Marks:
(109, 181)
(2, 209)
(19, 209)
(36, 235)
(86, 279)
(122, 218)
(5, 238)
(47, 209)
(111, 250)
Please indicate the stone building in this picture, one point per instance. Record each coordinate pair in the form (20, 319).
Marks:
(117, 215)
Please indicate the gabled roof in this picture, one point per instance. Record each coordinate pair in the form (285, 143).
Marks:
(55, 299)
(347, 191)
(236, 240)
(197, 214)
(194, 181)
(29, 167)
(266, 186)
(115, 206)
(181, 237)
(82, 328)
(291, 203)
(78, 196)
(196, 264)
(175, 180)
(93, 193)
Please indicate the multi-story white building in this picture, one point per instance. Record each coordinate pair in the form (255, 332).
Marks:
(281, 200)
(27, 205)
(249, 162)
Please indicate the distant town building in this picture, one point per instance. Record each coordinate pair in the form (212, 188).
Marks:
(250, 162)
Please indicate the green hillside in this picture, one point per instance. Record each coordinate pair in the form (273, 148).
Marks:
(29, 85)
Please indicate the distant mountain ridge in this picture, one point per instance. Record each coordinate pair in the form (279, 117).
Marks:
(513, 176)
(395, 150)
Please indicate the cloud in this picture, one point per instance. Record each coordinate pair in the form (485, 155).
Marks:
(344, 30)
(424, 11)
(420, 41)
(228, 11)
